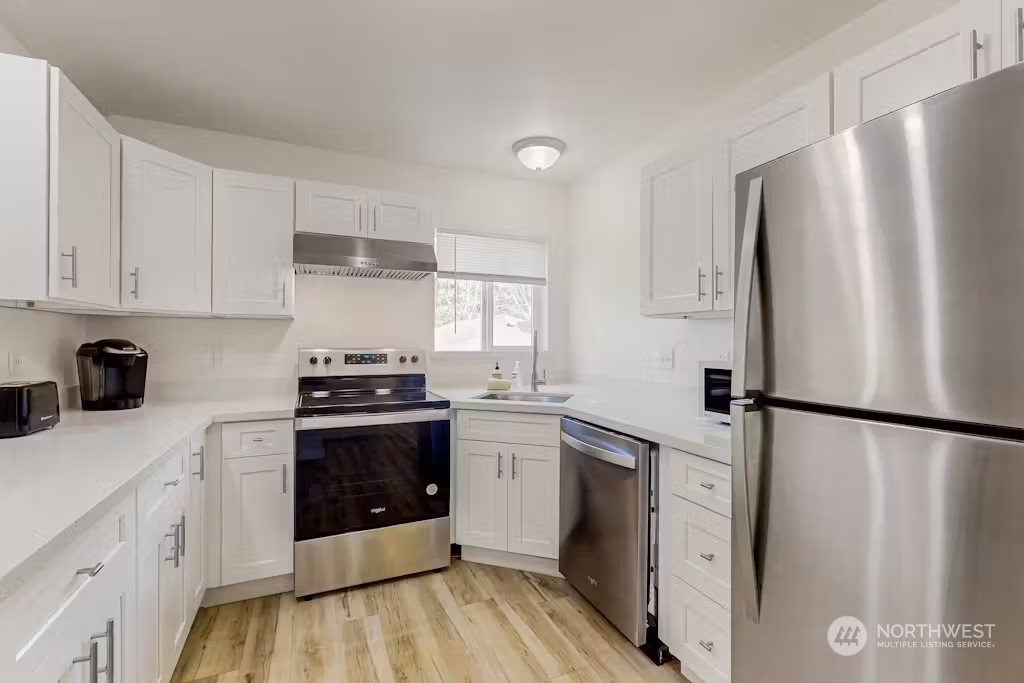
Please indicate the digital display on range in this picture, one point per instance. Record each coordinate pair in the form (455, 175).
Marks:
(366, 359)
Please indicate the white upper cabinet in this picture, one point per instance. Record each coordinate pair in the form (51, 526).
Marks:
(922, 61)
(253, 227)
(400, 216)
(329, 209)
(85, 207)
(166, 230)
(676, 233)
(784, 125)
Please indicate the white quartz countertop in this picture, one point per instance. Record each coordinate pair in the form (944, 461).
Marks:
(55, 481)
(664, 414)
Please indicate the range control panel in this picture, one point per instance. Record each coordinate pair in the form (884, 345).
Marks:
(366, 359)
(328, 362)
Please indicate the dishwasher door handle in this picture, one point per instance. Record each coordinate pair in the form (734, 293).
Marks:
(611, 457)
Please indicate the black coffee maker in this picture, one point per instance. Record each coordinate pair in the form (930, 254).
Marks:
(112, 374)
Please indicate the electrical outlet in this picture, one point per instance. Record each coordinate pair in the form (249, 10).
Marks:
(15, 362)
(667, 360)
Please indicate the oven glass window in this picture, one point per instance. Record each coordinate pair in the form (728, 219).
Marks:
(357, 478)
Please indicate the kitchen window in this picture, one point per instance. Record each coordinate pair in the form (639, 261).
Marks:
(490, 293)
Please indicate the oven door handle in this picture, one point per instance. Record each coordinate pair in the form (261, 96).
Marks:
(370, 419)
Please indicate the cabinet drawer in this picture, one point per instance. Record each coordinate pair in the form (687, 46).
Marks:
(27, 610)
(700, 633)
(162, 481)
(524, 428)
(250, 439)
(702, 481)
(701, 552)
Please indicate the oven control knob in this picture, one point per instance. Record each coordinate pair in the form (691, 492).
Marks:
(431, 489)
(415, 359)
(312, 360)
(327, 360)
(402, 359)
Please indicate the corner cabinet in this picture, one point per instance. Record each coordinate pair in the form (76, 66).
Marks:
(507, 490)
(677, 203)
(688, 203)
(253, 227)
(60, 179)
(166, 230)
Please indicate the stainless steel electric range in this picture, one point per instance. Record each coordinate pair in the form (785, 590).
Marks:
(372, 469)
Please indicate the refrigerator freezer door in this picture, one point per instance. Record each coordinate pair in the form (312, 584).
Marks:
(889, 261)
(891, 525)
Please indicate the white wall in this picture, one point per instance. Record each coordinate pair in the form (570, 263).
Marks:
(345, 311)
(10, 44)
(608, 337)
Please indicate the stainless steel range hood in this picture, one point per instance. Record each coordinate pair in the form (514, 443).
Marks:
(362, 257)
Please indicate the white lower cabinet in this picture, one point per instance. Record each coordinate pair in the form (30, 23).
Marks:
(163, 607)
(193, 533)
(257, 512)
(533, 501)
(93, 625)
(481, 508)
(695, 579)
(507, 492)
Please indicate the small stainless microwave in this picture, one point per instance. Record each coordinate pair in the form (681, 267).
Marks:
(715, 390)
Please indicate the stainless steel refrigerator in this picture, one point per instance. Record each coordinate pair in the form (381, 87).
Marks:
(878, 412)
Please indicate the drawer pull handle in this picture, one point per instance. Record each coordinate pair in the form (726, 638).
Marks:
(707, 485)
(91, 571)
(111, 653)
(93, 660)
(257, 439)
(709, 645)
(708, 556)
(172, 483)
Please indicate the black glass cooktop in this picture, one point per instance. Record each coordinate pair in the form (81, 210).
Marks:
(375, 401)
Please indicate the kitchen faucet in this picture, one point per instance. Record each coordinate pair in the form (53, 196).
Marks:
(534, 380)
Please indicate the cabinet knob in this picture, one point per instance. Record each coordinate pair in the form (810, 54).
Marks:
(328, 360)
(415, 359)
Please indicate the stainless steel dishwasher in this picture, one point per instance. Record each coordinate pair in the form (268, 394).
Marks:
(604, 523)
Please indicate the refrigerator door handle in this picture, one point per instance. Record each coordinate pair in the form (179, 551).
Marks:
(745, 416)
(745, 287)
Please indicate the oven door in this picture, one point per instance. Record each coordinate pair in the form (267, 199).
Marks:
(359, 472)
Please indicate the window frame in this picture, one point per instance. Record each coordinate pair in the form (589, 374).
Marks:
(538, 320)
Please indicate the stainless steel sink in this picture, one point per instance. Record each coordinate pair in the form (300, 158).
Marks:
(524, 396)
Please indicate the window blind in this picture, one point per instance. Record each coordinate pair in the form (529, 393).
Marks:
(492, 259)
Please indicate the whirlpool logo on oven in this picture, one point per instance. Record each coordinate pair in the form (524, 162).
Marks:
(379, 510)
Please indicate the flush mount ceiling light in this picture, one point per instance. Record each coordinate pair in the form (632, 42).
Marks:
(539, 153)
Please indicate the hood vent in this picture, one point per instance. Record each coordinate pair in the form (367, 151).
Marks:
(362, 257)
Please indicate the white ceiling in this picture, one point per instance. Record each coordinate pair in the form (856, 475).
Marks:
(450, 82)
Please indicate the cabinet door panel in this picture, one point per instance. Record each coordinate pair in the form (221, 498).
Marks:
(257, 529)
(195, 526)
(677, 236)
(329, 209)
(533, 501)
(482, 509)
(161, 591)
(166, 230)
(784, 125)
(399, 216)
(1010, 32)
(253, 228)
(927, 59)
(85, 198)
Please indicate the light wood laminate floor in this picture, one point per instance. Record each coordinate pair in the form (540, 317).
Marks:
(470, 622)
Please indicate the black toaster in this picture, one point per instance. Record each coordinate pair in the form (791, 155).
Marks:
(27, 407)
